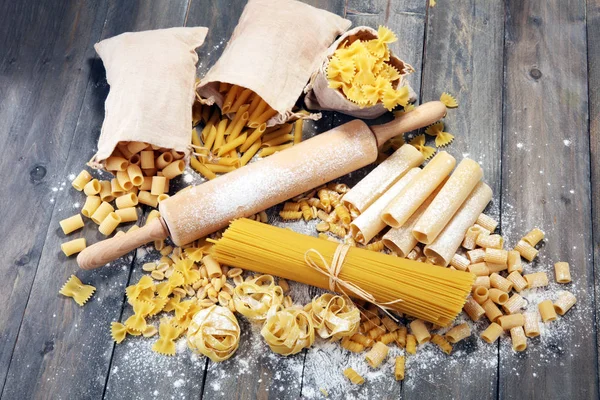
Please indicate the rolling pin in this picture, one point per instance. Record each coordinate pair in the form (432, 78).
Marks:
(201, 210)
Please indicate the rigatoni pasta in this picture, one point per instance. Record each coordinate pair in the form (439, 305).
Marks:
(399, 366)
(71, 224)
(90, 206)
(458, 333)
(536, 279)
(377, 354)
(420, 331)
(73, 246)
(526, 250)
(562, 273)
(81, 180)
(492, 333)
(565, 301)
(353, 376)
(519, 340)
(531, 325)
(547, 311)
(533, 237)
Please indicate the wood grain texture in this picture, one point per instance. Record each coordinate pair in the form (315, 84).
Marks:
(463, 56)
(63, 350)
(593, 53)
(546, 183)
(43, 77)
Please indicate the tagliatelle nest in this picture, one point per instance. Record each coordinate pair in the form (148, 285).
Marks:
(254, 298)
(214, 332)
(288, 331)
(334, 316)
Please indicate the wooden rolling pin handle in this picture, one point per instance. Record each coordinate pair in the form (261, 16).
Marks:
(424, 115)
(108, 250)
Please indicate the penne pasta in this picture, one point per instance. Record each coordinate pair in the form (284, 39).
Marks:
(254, 136)
(298, 125)
(274, 149)
(201, 168)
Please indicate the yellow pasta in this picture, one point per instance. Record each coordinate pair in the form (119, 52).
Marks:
(442, 343)
(441, 138)
(514, 262)
(565, 301)
(499, 282)
(533, 237)
(519, 340)
(141, 310)
(135, 175)
(479, 269)
(106, 191)
(482, 281)
(158, 185)
(148, 199)
(147, 159)
(526, 250)
(490, 241)
(174, 169)
(123, 181)
(492, 333)
(531, 326)
(136, 147)
(480, 294)
(73, 247)
(81, 180)
(496, 256)
(498, 296)
(127, 200)
(377, 354)
(507, 322)
(476, 256)
(514, 304)
(459, 262)
(334, 316)
(547, 311)
(492, 312)
(399, 368)
(389, 324)
(118, 331)
(519, 283)
(167, 332)
(349, 345)
(71, 224)
(446, 98)
(91, 205)
(562, 274)
(411, 344)
(537, 279)
(288, 331)
(116, 164)
(469, 242)
(253, 299)
(92, 187)
(298, 131)
(75, 289)
(128, 214)
(458, 333)
(109, 224)
(354, 377)
(273, 149)
(473, 309)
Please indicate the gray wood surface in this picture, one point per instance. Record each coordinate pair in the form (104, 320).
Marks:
(546, 183)
(526, 76)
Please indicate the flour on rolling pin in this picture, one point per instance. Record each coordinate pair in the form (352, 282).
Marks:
(204, 209)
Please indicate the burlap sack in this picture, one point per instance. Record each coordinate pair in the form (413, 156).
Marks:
(151, 76)
(319, 96)
(274, 49)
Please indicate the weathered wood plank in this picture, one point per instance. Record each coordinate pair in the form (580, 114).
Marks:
(64, 351)
(593, 53)
(43, 76)
(463, 56)
(546, 183)
(324, 363)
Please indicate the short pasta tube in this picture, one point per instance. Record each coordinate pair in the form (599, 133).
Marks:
(500, 282)
(399, 367)
(480, 294)
(492, 333)
(73, 246)
(518, 338)
(158, 185)
(547, 311)
(476, 256)
(419, 329)
(377, 354)
(487, 222)
(71, 224)
(109, 224)
(514, 304)
(102, 212)
(135, 175)
(562, 273)
(496, 256)
(473, 309)
(514, 262)
(531, 325)
(537, 279)
(148, 199)
(533, 237)
(90, 206)
(492, 312)
(498, 296)
(469, 242)
(92, 187)
(124, 181)
(519, 283)
(442, 343)
(460, 262)
(174, 169)
(482, 281)
(565, 301)
(353, 376)
(526, 250)
(490, 241)
(479, 269)
(507, 322)
(127, 200)
(128, 214)
(116, 164)
(411, 343)
(81, 180)
(458, 333)
(106, 191)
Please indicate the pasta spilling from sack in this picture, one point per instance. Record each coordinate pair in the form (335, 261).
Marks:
(334, 316)
(288, 330)
(214, 332)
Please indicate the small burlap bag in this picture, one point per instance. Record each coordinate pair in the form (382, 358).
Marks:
(319, 96)
(274, 49)
(152, 77)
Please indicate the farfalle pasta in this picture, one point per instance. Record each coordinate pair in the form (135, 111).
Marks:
(254, 298)
(288, 331)
(77, 290)
(442, 138)
(360, 76)
(418, 142)
(118, 331)
(214, 332)
(334, 316)
(141, 309)
(167, 332)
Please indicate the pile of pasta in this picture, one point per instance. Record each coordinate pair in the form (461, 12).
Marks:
(142, 174)
(230, 139)
(361, 70)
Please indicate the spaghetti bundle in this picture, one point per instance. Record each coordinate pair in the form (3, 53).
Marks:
(425, 291)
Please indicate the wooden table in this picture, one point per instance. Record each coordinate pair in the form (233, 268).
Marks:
(526, 75)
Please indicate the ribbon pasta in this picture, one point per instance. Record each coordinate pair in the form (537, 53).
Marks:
(214, 332)
(288, 331)
(334, 316)
(254, 298)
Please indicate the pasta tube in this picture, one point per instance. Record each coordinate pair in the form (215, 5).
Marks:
(378, 181)
(452, 195)
(441, 250)
(413, 195)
